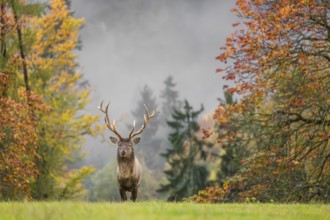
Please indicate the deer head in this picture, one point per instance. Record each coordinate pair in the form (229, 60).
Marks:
(125, 145)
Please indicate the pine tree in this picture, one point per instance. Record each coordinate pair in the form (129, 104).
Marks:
(170, 99)
(170, 102)
(150, 146)
(188, 172)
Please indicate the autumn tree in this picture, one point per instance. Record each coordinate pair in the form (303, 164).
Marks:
(18, 144)
(279, 61)
(43, 96)
(19, 105)
(56, 76)
(234, 152)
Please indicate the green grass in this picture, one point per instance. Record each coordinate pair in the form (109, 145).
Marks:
(159, 210)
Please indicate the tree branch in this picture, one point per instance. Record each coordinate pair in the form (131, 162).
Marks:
(21, 48)
(301, 118)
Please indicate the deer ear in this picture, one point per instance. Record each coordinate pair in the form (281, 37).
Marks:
(136, 140)
(113, 140)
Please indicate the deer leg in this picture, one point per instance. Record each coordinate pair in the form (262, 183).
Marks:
(134, 194)
(122, 195)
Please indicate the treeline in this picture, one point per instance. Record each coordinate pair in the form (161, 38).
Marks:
(269, 140)
(42, 102)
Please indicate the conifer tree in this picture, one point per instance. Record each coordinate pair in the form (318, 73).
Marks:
(150, 146)
(187, 172)
(170, 99)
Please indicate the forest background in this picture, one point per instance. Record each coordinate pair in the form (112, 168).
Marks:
(265, 140)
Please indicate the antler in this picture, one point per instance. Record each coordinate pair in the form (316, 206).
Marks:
(147, 117)
(111, 126)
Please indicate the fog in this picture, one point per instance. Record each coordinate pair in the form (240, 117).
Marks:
(129, 43)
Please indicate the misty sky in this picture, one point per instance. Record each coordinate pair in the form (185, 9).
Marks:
(130, 43)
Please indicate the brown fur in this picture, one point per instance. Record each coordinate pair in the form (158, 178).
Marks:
(129, 169)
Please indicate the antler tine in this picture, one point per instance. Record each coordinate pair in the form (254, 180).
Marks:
(111, 126)
(100, 107)
(148, 114)
(132, 129)
(106, 118)
(147, 117)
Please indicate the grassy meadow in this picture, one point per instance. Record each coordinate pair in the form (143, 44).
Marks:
(159, 210)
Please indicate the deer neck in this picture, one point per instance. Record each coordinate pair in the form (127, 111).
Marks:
(126, 163)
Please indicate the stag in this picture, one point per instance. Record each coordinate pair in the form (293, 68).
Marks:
(129, 169)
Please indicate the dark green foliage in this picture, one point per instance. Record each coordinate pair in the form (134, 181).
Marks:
(186, 158)
(169, 97)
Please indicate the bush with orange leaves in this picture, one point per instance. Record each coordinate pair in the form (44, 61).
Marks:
(19, 144)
